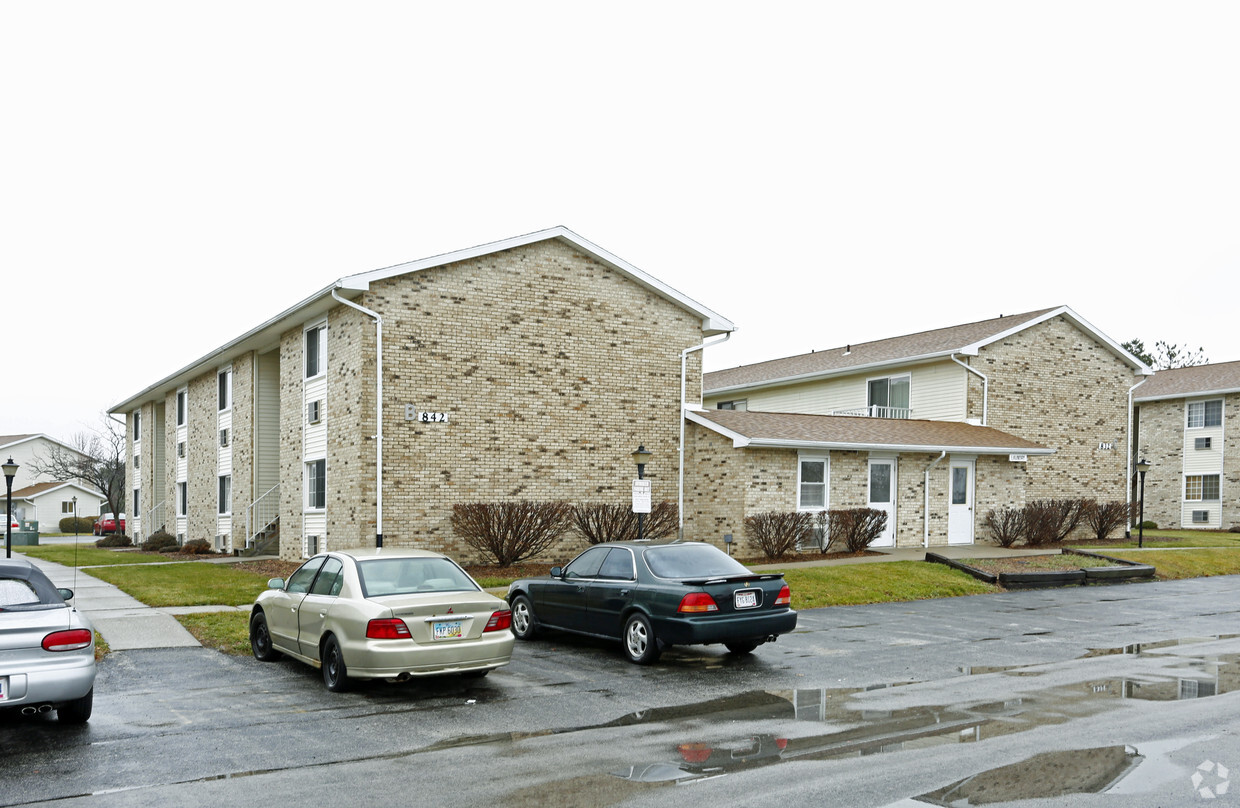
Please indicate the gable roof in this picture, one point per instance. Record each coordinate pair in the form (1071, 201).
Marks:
(1199, 380)
(267, 335)
(939, 343)
(8, 441)
(44, 488)
(11, 440)
(797, 431)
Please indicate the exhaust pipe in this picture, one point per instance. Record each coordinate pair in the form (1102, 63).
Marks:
(31, 709)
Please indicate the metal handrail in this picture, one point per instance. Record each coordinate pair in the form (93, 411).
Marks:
(152, 519)
(261, 513)
(875, 411)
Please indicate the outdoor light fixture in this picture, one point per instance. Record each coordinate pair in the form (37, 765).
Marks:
(10, 471)
(641, 457)
(1143, 466)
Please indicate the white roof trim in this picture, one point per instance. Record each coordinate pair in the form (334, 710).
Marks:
(1081, 323)
(45, 437)
(712, 322)
(826, 374)
(85, 489)
(740, 441)
(1193, 394)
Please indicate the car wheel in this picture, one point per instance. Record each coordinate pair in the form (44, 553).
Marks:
(523, 625)
(260, 639)
(639, 640)
(335, 674)
(745, 647)
(77, 711)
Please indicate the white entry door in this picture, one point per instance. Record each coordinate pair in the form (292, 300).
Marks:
(883, 497)
(960, 503)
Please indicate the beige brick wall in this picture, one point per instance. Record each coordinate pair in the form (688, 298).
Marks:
(716, 478)
(170, 464)
(202, 458)
(1053, 384)
(292, 347)
(242, 442)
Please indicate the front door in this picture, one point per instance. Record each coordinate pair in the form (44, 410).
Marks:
(883, 498)
(960, 503)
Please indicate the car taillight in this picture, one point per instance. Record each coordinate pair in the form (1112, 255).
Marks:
(696, 603)
(694, 752)
(785, 597)
(390, 628)
(781, 744)
(71, 640)
(500, 621)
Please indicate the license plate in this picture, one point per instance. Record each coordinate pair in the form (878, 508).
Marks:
(448, 631)
(746, 598)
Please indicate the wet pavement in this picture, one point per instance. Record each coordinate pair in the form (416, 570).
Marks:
(1116, 696)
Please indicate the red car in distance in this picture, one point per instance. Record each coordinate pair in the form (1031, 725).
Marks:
(106, 524)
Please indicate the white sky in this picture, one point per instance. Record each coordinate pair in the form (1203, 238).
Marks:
(174, 174)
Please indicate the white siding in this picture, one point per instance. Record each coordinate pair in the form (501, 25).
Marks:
(267, 423)
(182, 467)
(1203, 461)
(314, 439)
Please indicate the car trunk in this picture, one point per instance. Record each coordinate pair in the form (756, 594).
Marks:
(443, 616)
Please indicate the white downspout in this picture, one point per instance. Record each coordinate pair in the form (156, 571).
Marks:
(680, 486)
(985, 386)
(1128, 474)
(378, 437)
(925, 539)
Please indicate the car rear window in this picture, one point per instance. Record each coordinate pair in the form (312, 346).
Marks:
(692, 561)
(17, 594)
(405, 576)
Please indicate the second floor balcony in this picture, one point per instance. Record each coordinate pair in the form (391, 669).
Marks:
(875, 411)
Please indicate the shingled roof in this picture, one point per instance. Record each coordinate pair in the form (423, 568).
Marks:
(792, 430)
(1200, 380)
(942, 342)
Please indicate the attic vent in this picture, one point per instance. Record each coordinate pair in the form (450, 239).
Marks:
(314, 412)
(223, 437)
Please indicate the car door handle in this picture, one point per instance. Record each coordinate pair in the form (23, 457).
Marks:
(322, 615)
(624, 592)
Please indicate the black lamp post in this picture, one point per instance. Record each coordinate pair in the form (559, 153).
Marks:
(1143, 466)
(10, 471)
(641, 457)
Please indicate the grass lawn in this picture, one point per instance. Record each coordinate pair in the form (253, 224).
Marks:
(193, 583)
(1170, 565)
(224, 631)
(87, 555)
(853, 584)
(1166, 538)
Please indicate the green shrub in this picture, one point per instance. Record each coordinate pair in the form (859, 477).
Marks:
(157, 541)
(197, 547)
(1148, 524)
(114, 540)
(80, 524)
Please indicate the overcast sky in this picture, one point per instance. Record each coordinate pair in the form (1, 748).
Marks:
(821, 173)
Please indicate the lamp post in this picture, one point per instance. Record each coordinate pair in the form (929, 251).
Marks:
(75, 524)
(10, 471)
(1142, 466)
(641, 457)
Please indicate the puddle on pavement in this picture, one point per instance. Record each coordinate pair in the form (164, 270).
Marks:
(1138, 648)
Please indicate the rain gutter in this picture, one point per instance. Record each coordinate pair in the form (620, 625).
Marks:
(378, 436)
(680, 486)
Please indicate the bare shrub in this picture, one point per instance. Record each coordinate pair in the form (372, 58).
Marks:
(510, 532)
(600, 521)
(1051, 520)
(1104, 518)
(114, 540)
(777, 533)
(821, 534)
(1006, 525)
(857, 528)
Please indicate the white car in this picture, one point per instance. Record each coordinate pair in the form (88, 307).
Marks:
(13, 523)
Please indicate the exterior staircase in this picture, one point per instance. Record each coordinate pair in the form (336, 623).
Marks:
(265, 543)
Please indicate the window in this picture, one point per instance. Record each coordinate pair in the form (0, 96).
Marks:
(888, 397)
(181, 408)
(182, 499)
(1201, 488)
(223, 437)
(181, 449)
(330, 579)
(137, 509)
(226, 493)
(1205, 413)
(137, 461)
(314, 412)
(1201, 443)
(137, 425)
(618, 566)
(587, 564)
(813, 485)
(314, 351)
(1201, 517)
(66, 506)
(316, 484)
(225, 383)
(740, 404)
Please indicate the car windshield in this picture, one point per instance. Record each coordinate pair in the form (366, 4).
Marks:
(692, 561)
(404, 576)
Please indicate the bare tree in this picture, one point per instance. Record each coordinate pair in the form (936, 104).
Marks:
(1166, 355)
(95, 458)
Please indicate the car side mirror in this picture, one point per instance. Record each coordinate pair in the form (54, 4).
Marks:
(557, 572)
(275, 583)
(65, 593)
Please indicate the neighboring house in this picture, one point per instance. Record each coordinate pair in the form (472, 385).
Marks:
(50, 502)
(1187, 430)
(934, 428)
(23, 449)
(529, 368)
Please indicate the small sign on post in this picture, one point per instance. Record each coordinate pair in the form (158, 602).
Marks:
(641, 496)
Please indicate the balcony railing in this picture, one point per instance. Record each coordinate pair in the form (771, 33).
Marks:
(150, 521)
(874, 411)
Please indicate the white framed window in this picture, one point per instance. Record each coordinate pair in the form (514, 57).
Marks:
(66, 506)
(1201, 488)
(136, 508)
(314, 412)
(316, 485)
(888, 397)
(225, 498)
(182, 498)
(1205, 413)
(180, 448)
(316, 350)
(1201, 443)
(1201, 517)
(137, 461)
(224, 437)
(225, 389)
(738, 404)
(181, 394)
(137, 425)
(812, 480)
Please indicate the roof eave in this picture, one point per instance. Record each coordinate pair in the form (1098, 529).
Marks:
(894, 447)
(826, 374)
(1080, 322)
(1187, 394)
